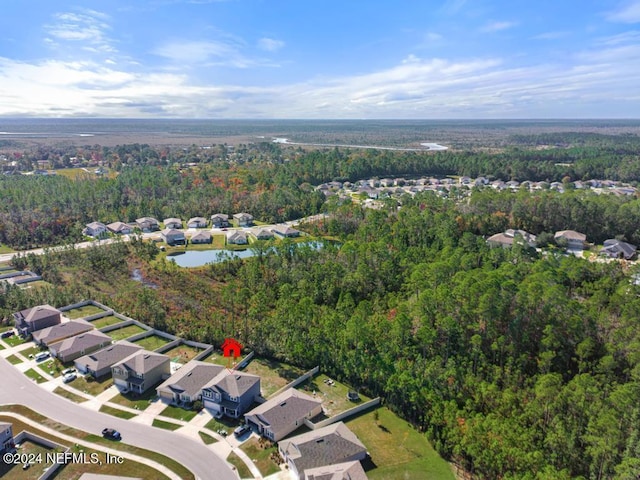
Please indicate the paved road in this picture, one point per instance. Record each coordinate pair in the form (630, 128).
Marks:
(204, 464)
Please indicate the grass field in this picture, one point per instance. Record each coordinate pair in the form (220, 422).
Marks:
(68, 395)
(52, 366)
(106, 321)
(31, 351)
(92, 387)
(81, 312)
(152, 342)
(14, 359)
(36, 469)
(273, 374)
(125, 332)
(333, 396)
(398, 451)
(128, 468)
(241, 467)
(182, 353)
(139, 402)
(260, 451)
(165, 425)
(33, 375)
(116, 412)
(14, 341)
(178, 413)
(206, 438)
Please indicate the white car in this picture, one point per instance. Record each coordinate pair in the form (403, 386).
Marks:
(69, 377)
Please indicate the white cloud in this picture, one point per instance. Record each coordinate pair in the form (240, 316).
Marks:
(497, 26)
(628, 12)
(270, 44)
(550, 35)
(196, 52)
(86, 27)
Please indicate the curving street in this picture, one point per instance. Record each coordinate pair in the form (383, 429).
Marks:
(203, 463)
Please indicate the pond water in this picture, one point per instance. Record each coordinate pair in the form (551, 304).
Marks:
(198, 258)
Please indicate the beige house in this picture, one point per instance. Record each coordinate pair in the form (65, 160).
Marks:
(140, 371)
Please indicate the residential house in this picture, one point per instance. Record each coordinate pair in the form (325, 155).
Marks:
(50, 335)
(284, 231)
(36, 318)
(201, 237)
(237, 237)
(507, 238)
(73, 347)
(172, 223)
(141, 371)
(339, 471)
(618, 249)
(98, 364)
(574, 240)
(95, 229)
(120, 228)
(328, 445)
(6, 437)
(185, 386)
(243, 219)
(173, 236)
(219, 220)
(148, 224)
(279, 416)
(231, 393)
(262, 234)
(197, 222)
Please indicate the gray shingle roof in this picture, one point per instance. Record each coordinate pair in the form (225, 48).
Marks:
(234, 383)
(339, 471)
(284, 409)
(192, 377)
(142, 362)
(32, 315)
(80, 342)
(109, 356)
(326, 446)
(61, 331)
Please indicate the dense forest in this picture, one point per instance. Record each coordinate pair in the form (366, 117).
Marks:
(515, 365)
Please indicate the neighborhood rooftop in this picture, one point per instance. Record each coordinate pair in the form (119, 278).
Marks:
(192, 377)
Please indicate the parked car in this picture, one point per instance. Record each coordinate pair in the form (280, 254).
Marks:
(42, 356)
(222, 432)
(69, 377)
(8, 333)
(241, 430)
(111, 433)
(68, 370)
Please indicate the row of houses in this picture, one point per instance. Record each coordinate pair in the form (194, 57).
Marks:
(150, 224)
(572, 240)
(236, 237)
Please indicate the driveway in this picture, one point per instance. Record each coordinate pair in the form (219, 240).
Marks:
(18, 389)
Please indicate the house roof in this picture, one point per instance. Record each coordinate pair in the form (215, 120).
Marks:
(285, 230)
(172, 220)
(146, 220)
(508, 237)
(32, 315)
(243, 216)
(615, 247)
(326, 446)
(172, 232)
(235, 235)
(233, 382)
(570, 235)
(109, 356)
(62, 330)
(118, 226)
(202, 235)
(191, 378)
(81, 342)
(284, 409)
(263, 232)
(340, 471)
(221, 216)
(142, 361)
(94, 225)
(197, 220)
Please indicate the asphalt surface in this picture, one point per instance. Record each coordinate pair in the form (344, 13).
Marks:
(203, 463)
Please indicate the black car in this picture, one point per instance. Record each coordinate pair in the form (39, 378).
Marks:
(111, 433)
(8, 333)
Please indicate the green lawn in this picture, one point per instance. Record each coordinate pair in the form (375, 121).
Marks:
(32, 374)
(334, 396)
(260, 450)
(31, 351)
(125, 332)
(182, 353)
(218, 241)
(226, 423)
(165, 425)
(206, 438)
(14, 341)
(273, 374)
(398, 451)
(139, 402)
(85, 311)
(215, 357)
(116, 412)
(241, 467)
(14, 359)
(68, 395)
(1, 347)
(178, 413)
(106, 321)
(152, 342)
(6, 249)
(52, 366)
(88, 384)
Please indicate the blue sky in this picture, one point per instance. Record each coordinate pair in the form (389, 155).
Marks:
(413, 59)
